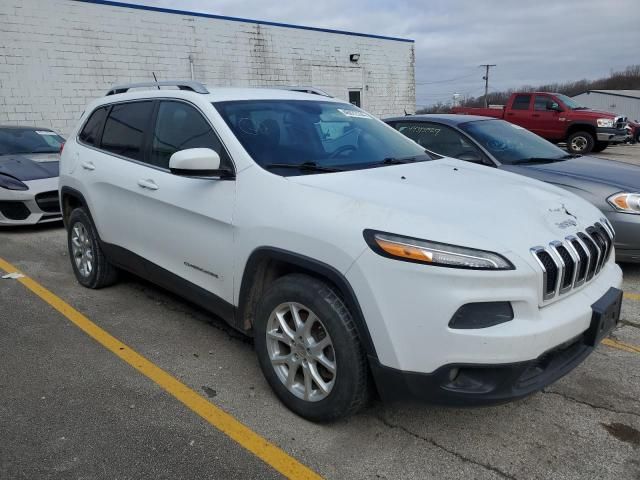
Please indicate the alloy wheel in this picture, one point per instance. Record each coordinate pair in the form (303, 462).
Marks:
(81, 249)
(301, 351)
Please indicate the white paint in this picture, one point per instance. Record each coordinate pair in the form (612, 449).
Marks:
(57, 55)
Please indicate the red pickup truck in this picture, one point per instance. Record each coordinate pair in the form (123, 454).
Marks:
(558, 118)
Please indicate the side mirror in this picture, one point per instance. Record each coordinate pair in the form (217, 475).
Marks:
(554, 106)
(197, 162)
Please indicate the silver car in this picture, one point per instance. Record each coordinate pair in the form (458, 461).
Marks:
(613, 187)
(29, 166)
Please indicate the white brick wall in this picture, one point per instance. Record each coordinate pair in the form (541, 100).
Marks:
(57, 55)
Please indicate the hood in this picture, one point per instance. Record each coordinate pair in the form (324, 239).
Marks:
(30, 166)
(618, 175)
(456, 202)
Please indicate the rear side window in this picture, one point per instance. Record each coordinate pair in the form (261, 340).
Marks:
(90, 134)
(521, 102)
(125, 127)
(180, 126)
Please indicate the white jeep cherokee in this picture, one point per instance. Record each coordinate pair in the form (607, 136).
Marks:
(355, 259)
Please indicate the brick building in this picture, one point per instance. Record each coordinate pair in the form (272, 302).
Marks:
(56, 55)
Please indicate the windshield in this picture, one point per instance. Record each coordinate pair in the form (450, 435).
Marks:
(511, 144)
(570, 102)
(28, 140)
(324, 136)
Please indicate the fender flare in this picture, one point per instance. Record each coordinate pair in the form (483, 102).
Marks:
(315, 267)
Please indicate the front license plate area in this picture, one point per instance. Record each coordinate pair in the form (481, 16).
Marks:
(606, 313)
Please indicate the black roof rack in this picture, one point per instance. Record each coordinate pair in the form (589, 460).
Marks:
(189, 85)
(312, 90)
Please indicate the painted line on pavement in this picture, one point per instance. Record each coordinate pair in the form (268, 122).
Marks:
(632, 296)
(627, 347)
(259, 446)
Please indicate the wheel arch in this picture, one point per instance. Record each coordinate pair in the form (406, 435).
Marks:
(266, 264)
(581, 127)
(70, 199)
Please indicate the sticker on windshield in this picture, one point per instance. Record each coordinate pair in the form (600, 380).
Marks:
(354, 113)
(46, 132)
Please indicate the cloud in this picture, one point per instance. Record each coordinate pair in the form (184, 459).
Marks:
(532, 43)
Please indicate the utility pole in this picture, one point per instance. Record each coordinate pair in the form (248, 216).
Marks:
(486, 82)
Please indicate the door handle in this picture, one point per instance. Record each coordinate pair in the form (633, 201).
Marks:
(148, 184)
(535, 114)
(88, 165)
(510, 113)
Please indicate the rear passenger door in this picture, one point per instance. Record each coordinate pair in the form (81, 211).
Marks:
(187, 222)
(520, 111)
(110, 167)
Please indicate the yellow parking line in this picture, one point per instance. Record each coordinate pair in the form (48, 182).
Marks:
(247, 438)
(632, 296)
(627, 347)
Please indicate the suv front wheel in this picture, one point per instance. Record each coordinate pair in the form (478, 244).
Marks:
(90, 266)
(308, 348)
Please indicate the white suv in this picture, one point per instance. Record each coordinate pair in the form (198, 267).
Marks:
(357, 261)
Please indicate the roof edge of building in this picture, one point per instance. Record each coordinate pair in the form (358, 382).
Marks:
(243, 20)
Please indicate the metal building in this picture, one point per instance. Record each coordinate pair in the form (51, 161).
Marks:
(622, 102)
(56, 55)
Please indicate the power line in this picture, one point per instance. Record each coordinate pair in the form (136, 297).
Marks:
(445, 81)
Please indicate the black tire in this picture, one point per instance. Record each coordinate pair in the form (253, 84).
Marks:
(350, 390)
(600, 146)
(580, 143)
(102, 273)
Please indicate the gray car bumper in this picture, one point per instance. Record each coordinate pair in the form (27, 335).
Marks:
(627, 228)
(612, 135)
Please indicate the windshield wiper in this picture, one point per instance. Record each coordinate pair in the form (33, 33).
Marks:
(306, 166)
(402, 160)
(541, 160)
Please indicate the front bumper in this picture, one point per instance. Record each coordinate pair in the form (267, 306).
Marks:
(611, 135)
(483, 384)
(38, 204)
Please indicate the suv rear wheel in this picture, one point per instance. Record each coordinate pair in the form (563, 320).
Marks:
(580, 142)
(308, 348)
(89, 264)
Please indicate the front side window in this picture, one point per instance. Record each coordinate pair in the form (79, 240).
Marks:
(542, 103)
(521, 102)
(90, 134)
(125, 127)
(324, 134)
(15, 140)
(510, 143)
(178, 127)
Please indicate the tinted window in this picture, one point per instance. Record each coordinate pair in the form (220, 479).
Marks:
(521, 102)
(178, 127)
(542, 103)
(91, 131)
(28, 140)
(439, 139)
(328, 134)
(124, 129)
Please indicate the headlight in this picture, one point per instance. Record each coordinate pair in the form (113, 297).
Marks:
(625, 202)
(11, 183)
(433, 253)
(605, 122)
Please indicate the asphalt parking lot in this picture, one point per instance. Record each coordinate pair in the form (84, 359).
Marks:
(71, 408)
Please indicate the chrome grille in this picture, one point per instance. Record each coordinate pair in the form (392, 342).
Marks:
(568, 264)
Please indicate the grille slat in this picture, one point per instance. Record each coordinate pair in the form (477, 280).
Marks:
(578, 259)
(48, 201)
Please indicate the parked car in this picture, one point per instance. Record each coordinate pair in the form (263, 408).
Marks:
(29, 159)
(344, 249)
(613, 187)
(633, 131)
(558, 118)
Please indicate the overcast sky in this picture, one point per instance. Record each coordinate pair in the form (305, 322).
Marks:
(538, 42)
